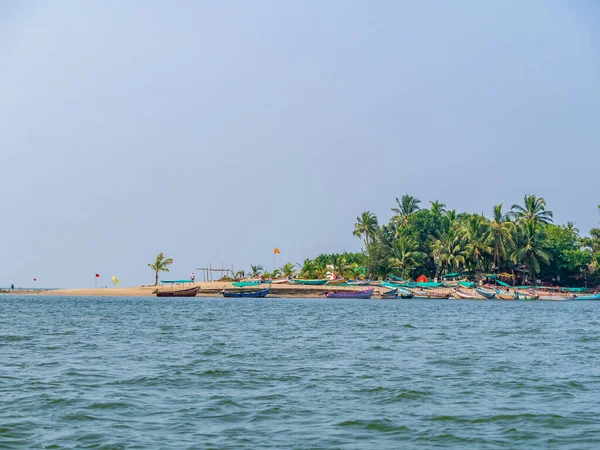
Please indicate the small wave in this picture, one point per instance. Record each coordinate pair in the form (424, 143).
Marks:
(408, 325)
(80, 417)
(14, 338)
(384, 426)
(108, 405)
(589, 339)
(215, 373)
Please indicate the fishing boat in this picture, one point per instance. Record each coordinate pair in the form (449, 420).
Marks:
(246, 293)
(246, 283)
(555, 297)
(527, 295)
(587, 297)
(364, 294)
(280, 281)
(459, 293)
(391, 294)
(357, 283)
(336, 282)
(189, 292)
(305, 282)
(487, 293)
(428, 294)
(405, 293)
(504, 295)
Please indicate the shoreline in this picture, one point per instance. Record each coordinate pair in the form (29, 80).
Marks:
(214, 288)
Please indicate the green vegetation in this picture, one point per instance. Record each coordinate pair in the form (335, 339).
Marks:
(433, 241)
(160, 265)
(523, 242)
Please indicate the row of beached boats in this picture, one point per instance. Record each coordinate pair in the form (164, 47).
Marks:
(398, 290)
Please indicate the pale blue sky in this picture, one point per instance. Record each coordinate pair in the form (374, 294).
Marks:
(214, 131)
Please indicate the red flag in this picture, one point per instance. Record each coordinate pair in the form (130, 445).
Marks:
(97, 275)
(35, 279)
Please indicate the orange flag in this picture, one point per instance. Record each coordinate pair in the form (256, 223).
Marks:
(276, 251)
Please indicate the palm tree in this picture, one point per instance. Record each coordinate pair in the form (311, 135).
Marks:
(288, 270)
(500, 235)
(239, 275)
(339, 264)
(474, 234)
(437, 208)
(255, 271)
(407, 206)
(529, 250)
(448, 250)
(365, 224)
(307, 268)
(160, 265)
(533, 210)
(405, 255)
(572, 229)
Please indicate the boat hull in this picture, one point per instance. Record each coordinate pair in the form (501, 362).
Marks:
(366, 294)
(588, 297)
(486, 293)
(190, 292)
(254, 293)
(309, 282)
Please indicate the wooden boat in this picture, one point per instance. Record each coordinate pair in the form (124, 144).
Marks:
(189, 292)
(246, 293)
(280, 281)
(527, 295)
(308, 282)
(587, 297)
(554, 297)
(504, 295)
(459, 293)
(357, 283)
(391, 294)
(246, 283)
(428, 294)
(364, 294)
(336, 282)
(487, 293)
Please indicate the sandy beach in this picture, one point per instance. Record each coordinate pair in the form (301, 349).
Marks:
(207, 289)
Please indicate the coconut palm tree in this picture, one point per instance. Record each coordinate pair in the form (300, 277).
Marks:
(529, 250)
(255, 271)
(500, 235)
(533, 210)
(448, 250)
(407, 206)
(239, 275)
(570, 226)
(366, 224)
(160, 265)
(474, 231)
(405, 255)
(288, 270)
(339, 265)
(437, 208)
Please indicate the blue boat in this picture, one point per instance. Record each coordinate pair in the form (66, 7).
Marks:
(587, 297)
(246, 293)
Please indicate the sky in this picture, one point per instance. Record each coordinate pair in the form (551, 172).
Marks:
(215, 131)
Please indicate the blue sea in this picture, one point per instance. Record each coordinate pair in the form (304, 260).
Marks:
(116, 373)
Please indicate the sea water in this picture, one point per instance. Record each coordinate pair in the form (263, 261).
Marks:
(298, 373)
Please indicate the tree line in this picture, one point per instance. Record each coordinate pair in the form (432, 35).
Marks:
(523, 241)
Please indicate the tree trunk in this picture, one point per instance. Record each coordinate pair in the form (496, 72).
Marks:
(156, 279)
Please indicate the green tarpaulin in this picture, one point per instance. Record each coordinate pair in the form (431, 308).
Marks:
(466, 284)
(451, 275)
